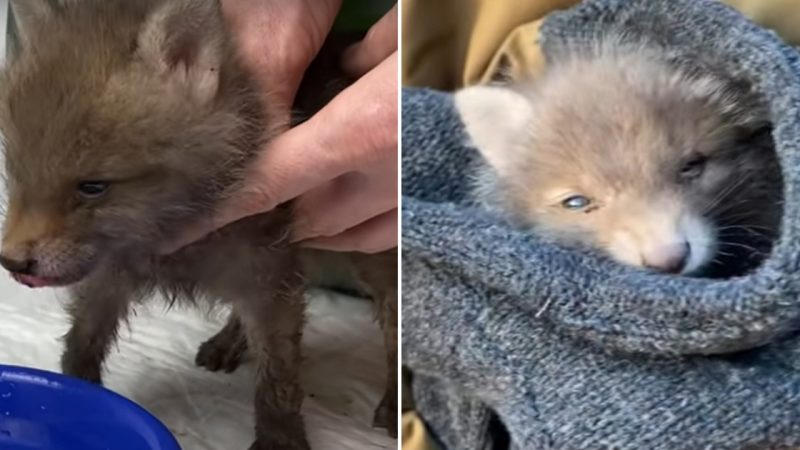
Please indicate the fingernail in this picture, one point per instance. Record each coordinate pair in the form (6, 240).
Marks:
(297, 235)
(302, 234)
(313, 243)
(167, 249)
(185, 241)
(348, 61)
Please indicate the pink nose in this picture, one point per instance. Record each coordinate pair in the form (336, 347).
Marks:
(668, 258)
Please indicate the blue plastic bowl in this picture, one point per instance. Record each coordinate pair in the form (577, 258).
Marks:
(45, 410)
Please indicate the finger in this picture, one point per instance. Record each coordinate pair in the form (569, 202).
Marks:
(348, 200)
(349, 134)
(379, 42)
(374, 236)
(278, 39)
(360, 121)
(193, 233)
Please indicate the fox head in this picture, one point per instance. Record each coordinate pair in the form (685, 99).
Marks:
(121, 120)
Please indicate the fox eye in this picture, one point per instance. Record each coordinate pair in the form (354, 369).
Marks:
(693, 167)
(92, 189)
(576, 202)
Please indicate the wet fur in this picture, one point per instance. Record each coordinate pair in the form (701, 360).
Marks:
(150, 95)
(617, 122)
(373, 276)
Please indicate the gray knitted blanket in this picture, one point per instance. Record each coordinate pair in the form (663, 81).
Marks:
(568, 349)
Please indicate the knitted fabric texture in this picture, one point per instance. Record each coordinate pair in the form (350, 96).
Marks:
(570, 350)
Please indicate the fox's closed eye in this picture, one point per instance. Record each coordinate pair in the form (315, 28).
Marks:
(693, 167)
(92, 189)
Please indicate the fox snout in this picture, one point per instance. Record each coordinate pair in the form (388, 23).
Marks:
(669, 258)
(36, 252)
(25, 266)
(668, 239)
(22, 231)
(20, 261)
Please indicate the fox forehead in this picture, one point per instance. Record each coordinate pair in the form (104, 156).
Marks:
(615, 151)
(60, 132)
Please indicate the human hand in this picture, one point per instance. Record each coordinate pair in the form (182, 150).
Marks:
(357, 210)
(277, 41)
(341, 163)
(378, 44)
(332, 207)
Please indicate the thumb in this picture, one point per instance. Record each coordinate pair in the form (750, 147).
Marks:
(341, 136)
(377, 45)
(265, 185)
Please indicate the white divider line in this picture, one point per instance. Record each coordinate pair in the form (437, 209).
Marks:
(3, 29)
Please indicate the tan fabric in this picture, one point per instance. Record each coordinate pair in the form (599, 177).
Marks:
(414, 435)
(448, 44)
(516, 57)
(783, 16)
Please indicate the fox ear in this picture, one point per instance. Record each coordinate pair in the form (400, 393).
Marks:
(185, 40)
(492, 117)
(26, 16)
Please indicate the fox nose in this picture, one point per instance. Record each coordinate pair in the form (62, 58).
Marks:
(20, 267)
(669, 258)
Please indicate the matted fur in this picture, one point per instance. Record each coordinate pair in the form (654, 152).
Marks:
(618, 123)
(149, 96)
